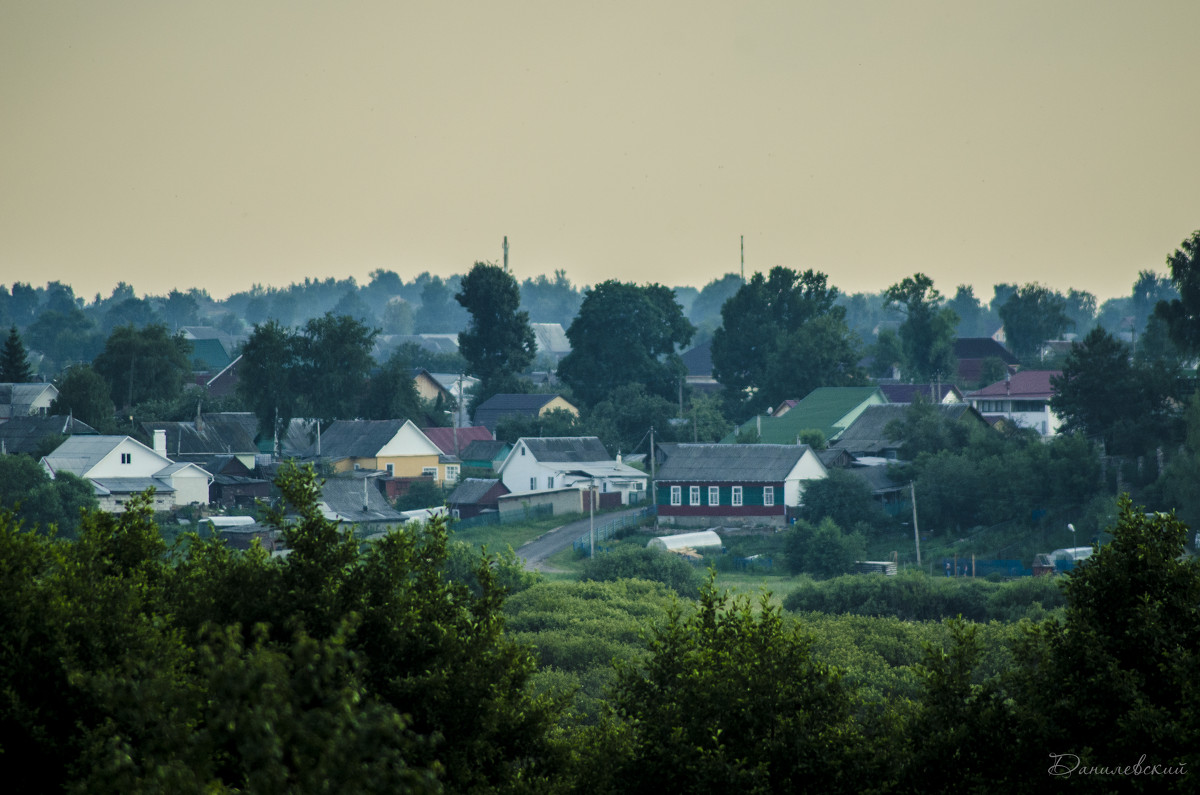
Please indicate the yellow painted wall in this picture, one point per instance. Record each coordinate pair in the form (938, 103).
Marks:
(559, 403)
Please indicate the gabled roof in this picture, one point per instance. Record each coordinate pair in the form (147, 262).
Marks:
(982, 348)
(355, 438)
(827, 409)
(550, 338)
(342, 499)
(1022, 385)
(754, 463)
(444, 438)
(80, 454)
(909, 393)
(17, 400)
(472, 490)
(515, 402)
(484, 450)
(867, 435)
(209, 355)
(698, 360)
(565, 449)
(23, 434)
(497, 407)
(220, 433)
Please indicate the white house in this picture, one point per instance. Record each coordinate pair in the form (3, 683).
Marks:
(1023, 399)
(537, 464)
(26, 400)
(119, 467)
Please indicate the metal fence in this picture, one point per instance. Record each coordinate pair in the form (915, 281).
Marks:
(610, 529)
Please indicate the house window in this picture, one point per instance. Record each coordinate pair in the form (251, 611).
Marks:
(714, 495)
(768, 495)
(452, 473)
(737, 495)
(550, 482)
(677, 495)
(694, 495)
(429, 472)
(391, 469)
(533, 483)
(126, 458)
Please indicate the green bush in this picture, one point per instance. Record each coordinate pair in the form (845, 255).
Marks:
(824, 550)
(915, 596)
(626, 562)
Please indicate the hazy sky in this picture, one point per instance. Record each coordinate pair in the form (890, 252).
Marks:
(222, 144)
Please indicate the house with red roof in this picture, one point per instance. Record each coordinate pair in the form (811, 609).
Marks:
(453, 441)
(1023, 398)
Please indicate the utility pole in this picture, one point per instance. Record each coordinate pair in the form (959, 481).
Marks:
(592, 516)
(506, 253)
(916, 534)
(742, 238)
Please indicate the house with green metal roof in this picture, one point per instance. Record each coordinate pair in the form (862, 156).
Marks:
(828, 409)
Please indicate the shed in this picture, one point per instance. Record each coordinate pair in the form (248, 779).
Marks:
(703, 539)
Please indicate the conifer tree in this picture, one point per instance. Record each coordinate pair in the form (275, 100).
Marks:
(14, 363)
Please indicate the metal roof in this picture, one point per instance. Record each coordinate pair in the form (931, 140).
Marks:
(755, 463)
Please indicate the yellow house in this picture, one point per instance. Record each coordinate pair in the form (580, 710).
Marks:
(395, 446)
(491, 411)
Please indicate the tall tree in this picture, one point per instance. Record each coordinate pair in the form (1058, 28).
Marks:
(625, 334)
(1103, 394)
(1033, 315)
(144, 364)
(14, 362)
(268, 377)
(86, 395)
(499, 343)
(334, 353)
(1181, 314)
(781, 336)
(391, 393)
(927, 333)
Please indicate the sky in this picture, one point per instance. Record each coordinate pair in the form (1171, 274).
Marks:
(224, 144)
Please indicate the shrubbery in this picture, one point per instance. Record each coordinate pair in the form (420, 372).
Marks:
(627, 562)
(915, 596)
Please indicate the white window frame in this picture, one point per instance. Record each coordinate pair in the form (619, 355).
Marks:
(693, 495)
(550, 482)
(533, 483)
(714, 495)
(768, 495)
(737, 495)
(677, 495)
(429, 472)
(126, 458)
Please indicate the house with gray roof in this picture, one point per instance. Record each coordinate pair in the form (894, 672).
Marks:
(496, 408)
(119, 467)
(868, 436)
(221, 433)
(475, 496)
(355, 499)
(733, 484)
(26, 434)
(24, 400)
(542, 463)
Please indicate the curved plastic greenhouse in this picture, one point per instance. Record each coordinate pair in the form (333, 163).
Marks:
(705, 539)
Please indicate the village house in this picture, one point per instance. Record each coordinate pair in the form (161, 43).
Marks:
(1023, 399)
(702, 485)
(118, 467)
(579, 462)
